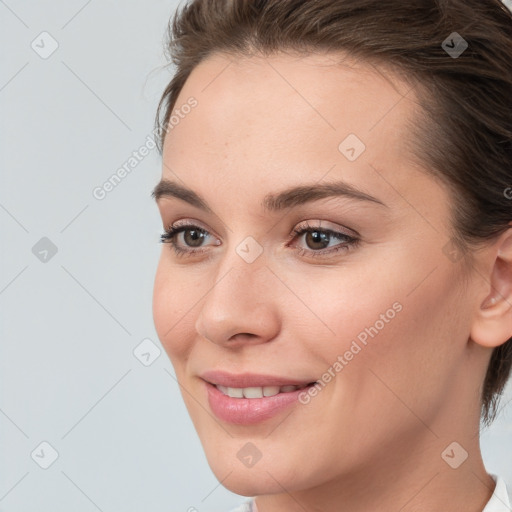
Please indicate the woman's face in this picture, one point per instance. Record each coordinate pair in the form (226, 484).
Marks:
(369, 303)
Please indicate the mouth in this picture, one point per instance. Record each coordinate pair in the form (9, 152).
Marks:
(259, 391)
(247, 399)
(250, 405)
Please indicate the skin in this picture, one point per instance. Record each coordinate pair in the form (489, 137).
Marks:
(372, 438)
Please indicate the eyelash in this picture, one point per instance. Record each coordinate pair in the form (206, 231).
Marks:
(169, 236)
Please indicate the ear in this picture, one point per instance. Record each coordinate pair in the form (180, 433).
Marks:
(492, 323)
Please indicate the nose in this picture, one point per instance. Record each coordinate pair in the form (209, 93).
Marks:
(241, 307)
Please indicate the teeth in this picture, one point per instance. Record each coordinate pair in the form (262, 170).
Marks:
(256, 392)
(232, 392)
(253, 392)
(270, 390)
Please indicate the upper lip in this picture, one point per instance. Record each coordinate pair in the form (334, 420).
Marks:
(247, 380)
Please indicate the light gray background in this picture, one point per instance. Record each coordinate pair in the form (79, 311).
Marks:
(69, 325)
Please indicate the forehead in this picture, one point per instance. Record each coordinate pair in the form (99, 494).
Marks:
(292, 102)
(283, 119)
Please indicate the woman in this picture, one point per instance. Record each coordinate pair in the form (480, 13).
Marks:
(335, 286)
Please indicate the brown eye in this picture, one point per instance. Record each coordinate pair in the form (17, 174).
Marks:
(317, 239)
(193, 237)
(190, 243)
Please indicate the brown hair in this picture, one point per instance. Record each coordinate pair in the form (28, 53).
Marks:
(466, 98)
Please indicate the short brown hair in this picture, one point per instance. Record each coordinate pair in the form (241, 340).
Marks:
(466, 98)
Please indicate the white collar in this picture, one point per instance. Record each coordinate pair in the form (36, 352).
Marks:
(499, 501)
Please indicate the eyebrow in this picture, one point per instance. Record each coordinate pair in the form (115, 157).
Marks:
(287, 198)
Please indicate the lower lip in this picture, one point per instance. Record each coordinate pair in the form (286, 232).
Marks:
(248, 411)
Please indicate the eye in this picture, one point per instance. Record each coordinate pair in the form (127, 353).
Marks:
(317, 240)
(193, 236)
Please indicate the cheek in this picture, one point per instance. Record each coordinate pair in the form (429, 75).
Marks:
(397, 324)
(344, 306)
(172, 310)
(413, 357)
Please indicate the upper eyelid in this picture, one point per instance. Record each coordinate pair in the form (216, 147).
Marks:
(306, 208)
(300, 227)
(309, 225)
(184, 223)
(304, 224)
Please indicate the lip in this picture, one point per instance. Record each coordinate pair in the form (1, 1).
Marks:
(247, 380)
(248, 411)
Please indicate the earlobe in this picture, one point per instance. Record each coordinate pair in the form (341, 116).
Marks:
(492, 323)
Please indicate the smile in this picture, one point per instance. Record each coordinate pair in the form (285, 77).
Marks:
(253, 404)
(258, 391)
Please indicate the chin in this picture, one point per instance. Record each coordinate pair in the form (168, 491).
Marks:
(249, 481)
(269, 475)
